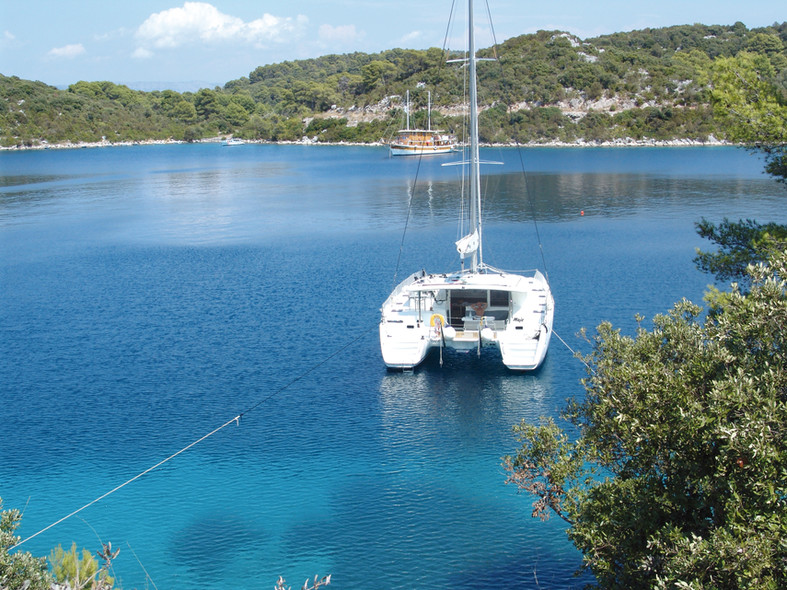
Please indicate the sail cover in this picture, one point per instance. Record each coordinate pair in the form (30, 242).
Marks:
(468, 244)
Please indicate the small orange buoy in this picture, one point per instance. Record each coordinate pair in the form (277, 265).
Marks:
(581, 212)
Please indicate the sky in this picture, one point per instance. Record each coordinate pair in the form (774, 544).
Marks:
(186, 45)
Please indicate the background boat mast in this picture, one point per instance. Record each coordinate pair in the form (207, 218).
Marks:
(429, 110)
(407, 109)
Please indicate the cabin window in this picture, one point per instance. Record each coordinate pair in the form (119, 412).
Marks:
(462, 303)
(477, 302)
(472, 295)
(498, 298)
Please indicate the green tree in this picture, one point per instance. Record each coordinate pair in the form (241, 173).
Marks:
(191, 134)
(289, 130)
(740, 244)
(206, 103)
(258, 128)
(83, 572)
(69, 568)
(767, 43)
(376, 72)
(19, 569)
(236, 114)
(750, 100)
(245, 100)
(184, 111)
(677, 477)
(750, 97)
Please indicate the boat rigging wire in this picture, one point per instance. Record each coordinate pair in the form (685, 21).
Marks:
(492, 30)
(407, 220)
(448, 29)
(532, 204)
(235, 420)
(412, 190)
(528, 191)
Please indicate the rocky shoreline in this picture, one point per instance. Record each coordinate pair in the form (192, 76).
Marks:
(621, 142)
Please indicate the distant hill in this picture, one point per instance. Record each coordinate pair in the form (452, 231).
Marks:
(186, 86)
(546, 86)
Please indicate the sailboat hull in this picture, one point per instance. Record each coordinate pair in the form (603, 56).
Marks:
(419, 142)
(406, 150)
(468, 311)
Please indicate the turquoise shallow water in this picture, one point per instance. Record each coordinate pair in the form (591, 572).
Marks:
(150, 294)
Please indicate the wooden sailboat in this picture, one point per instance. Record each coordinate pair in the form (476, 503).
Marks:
(421, 142)
(474, 307)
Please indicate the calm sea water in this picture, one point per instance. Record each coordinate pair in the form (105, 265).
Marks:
(150, 294)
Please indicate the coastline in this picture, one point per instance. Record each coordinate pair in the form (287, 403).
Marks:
(621, 142)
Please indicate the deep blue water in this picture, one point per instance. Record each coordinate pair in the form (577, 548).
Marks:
(150, 294)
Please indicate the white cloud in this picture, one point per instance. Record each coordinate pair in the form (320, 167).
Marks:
(411, 37)
(111, 35)
(67, 51)
(7, 40)
(203, 22)
(342, 35)
(142, 53)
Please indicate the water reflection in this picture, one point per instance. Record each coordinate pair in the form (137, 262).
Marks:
(560, 197)
(29, 180)
(442, 433)
(464, 396)
(205, 193)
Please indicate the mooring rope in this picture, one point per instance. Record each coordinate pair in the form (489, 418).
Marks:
(235, 420)
(574, 352)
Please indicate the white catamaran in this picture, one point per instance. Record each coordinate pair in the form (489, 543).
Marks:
(470, 308)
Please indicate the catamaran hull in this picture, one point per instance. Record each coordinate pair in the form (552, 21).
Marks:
(517, 355)
(467, 312)
(527, 355)
(402, 354)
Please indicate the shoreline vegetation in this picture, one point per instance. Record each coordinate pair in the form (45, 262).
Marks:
(627, 142)
(650, 87)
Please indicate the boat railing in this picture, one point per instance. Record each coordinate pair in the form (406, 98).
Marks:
(486, 268)
(475, 323)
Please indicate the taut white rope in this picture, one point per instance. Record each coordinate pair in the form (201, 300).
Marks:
(136, 477)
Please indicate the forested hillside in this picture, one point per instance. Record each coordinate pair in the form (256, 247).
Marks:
(547, 86)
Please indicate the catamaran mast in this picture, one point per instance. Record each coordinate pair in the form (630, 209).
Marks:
(475, 172)
(471, 243)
